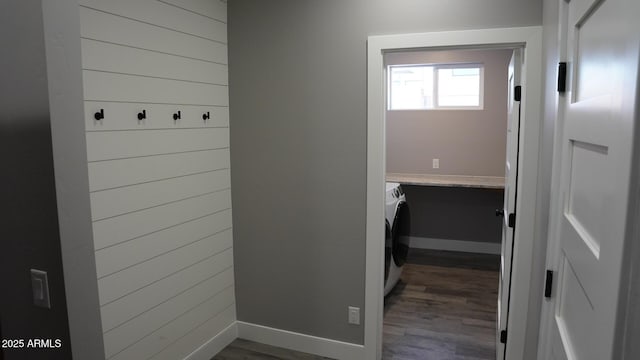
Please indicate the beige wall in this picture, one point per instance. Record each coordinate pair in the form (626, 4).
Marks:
(467, 142)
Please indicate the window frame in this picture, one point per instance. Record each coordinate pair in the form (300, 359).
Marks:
(436, 67)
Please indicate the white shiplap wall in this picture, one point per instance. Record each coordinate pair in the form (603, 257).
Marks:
(160, 188)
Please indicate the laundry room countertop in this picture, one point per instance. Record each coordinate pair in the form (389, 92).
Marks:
(482, 182)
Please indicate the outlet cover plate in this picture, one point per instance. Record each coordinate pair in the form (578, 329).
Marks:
(354, 315)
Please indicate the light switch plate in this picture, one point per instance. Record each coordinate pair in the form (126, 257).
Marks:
(436, 163)
(40, 288)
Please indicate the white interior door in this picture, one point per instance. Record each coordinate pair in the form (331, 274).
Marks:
(596, 148)
(511, 171)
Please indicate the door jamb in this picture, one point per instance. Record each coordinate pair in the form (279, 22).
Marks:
(553, 246)
(525, 233)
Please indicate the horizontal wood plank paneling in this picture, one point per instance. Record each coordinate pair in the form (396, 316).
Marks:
(200, 335)
(109, 145)
(144, 323)
(123, 200)
(100, 86)
(214, 9)
(116, 258)
(111, 231)
(115, 173)
(135, 330)
(131, 279)
(163, 15)
(159, 187)
(124, 116)
(124, 309)
(165, 336)
(109, 57)
(118, 30)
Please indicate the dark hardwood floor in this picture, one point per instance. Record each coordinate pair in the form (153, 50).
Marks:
(241, 349)
(443, 308)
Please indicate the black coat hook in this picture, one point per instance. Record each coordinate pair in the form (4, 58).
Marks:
(99, 115)
(206, 116)
(142, 115)
(177, 116)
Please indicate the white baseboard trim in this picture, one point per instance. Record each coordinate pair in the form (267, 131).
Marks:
(456, 245)
(300, 342)
(209, 349)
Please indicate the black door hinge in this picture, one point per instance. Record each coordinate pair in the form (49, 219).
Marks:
(517, 93)
(512, 220)
(562, 77)
(503, 336)
(548, 285)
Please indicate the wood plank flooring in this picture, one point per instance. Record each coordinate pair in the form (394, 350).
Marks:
(443, 308)
(241, 349)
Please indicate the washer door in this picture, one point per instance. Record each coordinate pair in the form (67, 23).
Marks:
(400, 233)
(388, 249)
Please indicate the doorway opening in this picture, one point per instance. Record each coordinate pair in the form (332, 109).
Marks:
(451, 115)
(524, 207)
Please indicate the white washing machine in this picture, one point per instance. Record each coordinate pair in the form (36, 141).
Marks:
(397, 227)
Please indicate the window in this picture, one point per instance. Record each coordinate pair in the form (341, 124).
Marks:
(435, 86)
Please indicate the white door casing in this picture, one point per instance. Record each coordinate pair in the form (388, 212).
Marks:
(510, 191)
(529, 38)
(595, 151)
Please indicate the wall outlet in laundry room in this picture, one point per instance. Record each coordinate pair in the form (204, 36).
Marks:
(436, 163)
(354, 315)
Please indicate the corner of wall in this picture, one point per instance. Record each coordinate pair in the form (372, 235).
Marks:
(62, 43)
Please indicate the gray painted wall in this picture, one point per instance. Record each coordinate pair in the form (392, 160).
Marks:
(298, 140)
(438, 212)
(28, 214)
(467, 142)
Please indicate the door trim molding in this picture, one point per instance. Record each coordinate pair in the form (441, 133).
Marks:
(530, 38)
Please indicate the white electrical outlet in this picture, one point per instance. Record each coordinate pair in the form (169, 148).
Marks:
(436, 163)
(354, 315)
